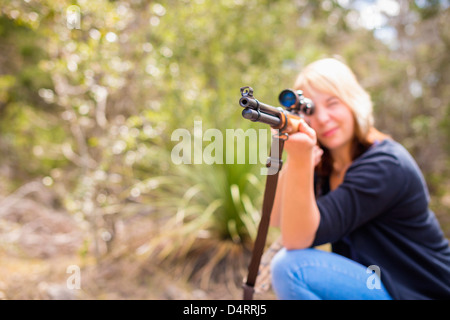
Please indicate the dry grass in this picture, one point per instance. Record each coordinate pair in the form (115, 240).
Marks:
(34, 262)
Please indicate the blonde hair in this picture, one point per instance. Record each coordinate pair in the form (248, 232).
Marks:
(333, 77)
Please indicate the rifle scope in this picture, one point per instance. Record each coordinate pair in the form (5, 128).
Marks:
(295, 101)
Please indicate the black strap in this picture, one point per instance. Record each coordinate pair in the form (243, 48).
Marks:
(274, 164)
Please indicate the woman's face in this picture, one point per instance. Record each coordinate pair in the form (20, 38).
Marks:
(332, 120)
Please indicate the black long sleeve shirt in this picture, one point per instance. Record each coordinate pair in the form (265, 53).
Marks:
(379, 215)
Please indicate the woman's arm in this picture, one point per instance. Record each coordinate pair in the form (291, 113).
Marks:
(276, 210)
(300, 215)
(295, 210)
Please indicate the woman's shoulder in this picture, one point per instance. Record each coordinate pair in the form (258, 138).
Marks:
(387, 150)
(390, 159)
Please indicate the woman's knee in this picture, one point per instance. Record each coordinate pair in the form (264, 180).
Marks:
(285, 262)
(287, 275)
(315, 274)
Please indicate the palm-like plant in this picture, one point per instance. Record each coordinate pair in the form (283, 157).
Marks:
(209, 216)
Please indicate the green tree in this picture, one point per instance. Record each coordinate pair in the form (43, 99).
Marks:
(92, 110)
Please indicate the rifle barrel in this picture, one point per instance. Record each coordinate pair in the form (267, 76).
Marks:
(253, 115)
(254, 104)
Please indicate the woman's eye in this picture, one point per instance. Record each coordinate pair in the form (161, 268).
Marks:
(332, 103)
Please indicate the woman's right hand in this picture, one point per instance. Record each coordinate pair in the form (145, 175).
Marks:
(317, 154)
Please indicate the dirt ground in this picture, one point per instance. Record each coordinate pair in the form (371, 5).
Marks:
(42, 250)
(51, 279)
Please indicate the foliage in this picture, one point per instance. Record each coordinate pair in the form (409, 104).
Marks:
(91, 111)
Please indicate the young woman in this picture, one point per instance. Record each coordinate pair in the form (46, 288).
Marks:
(347, 184)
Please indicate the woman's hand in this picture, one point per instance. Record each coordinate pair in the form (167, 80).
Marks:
(311, 138)
(302, 145)
(317, 154)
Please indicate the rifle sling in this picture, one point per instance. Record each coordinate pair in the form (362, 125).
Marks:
(274, 163)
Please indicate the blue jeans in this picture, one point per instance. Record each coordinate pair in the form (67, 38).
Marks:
(312, 274)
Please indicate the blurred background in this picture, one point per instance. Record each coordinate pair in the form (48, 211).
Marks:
(91, 91)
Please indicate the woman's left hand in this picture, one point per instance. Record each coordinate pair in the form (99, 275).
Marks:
(302, 145)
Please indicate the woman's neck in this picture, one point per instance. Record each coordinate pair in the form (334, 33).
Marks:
(341, 158)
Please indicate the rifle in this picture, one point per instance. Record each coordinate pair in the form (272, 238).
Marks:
(285, 121)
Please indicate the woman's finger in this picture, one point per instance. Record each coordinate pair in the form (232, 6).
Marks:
(305, 128)
(318, 152)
